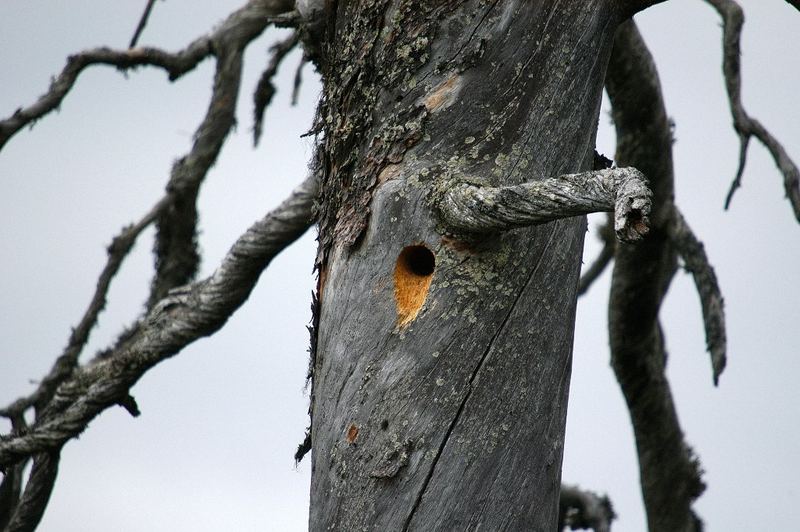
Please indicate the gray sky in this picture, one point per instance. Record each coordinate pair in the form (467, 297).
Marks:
(213, 448)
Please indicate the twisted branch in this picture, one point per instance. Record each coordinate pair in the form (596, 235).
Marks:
(64, 365)
(468, 208)
(183, 316)
(30, 509)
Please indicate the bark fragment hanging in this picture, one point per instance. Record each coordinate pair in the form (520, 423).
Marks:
(412, 280)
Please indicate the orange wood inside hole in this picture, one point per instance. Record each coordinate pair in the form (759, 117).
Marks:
(412, 280)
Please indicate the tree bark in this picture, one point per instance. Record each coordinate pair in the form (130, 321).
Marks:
(442, 361)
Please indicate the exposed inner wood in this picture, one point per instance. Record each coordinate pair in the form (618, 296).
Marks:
(412, 280)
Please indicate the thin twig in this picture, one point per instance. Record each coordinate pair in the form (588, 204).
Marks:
(265, 89)
(298, 79)
(745, 126)
(183, 316)
(142, 23)
(602, 260)
(696, 262)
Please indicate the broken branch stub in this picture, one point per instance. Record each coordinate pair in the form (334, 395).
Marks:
(474, 209)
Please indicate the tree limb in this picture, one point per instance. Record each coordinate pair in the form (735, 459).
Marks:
(468, 208)
(176, 213)
(241, 24)
(11, 486)
(64, 365)
(746, 126)
(265, 89)
(696, 262)
(29, 511)
(582, 509)
(183, 316)
(669, 472)
(177, 257)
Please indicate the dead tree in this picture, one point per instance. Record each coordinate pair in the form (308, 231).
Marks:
(455, 161)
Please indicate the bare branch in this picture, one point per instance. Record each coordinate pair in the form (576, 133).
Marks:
(670, 474)
(696, 262)
(30, 509)
(175, 64)
(10, 490)
(244, 24)
(183, 316)
(265, 89)
(470, 208)
(745, 126)
(602, 261)
(176, 214)
(11, 486)
(142, 23)
(64, 365)
(177, 257)
(582, 509)
(298, 79)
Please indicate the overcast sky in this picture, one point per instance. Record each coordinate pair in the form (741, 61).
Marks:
(220, 422)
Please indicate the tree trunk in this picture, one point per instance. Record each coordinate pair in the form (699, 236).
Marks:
(442, 362)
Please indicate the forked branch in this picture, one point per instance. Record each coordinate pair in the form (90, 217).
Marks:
(241, 24)
(183, 316)
(68, 360)
(746, 126)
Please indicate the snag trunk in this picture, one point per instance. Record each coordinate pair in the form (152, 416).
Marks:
(442, 361)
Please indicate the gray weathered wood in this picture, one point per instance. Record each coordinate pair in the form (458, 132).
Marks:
(455, 420)
(479, 209)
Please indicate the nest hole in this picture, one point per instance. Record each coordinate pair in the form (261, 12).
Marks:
(412, 280)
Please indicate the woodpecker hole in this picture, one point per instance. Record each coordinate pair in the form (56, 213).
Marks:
(412, 279)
